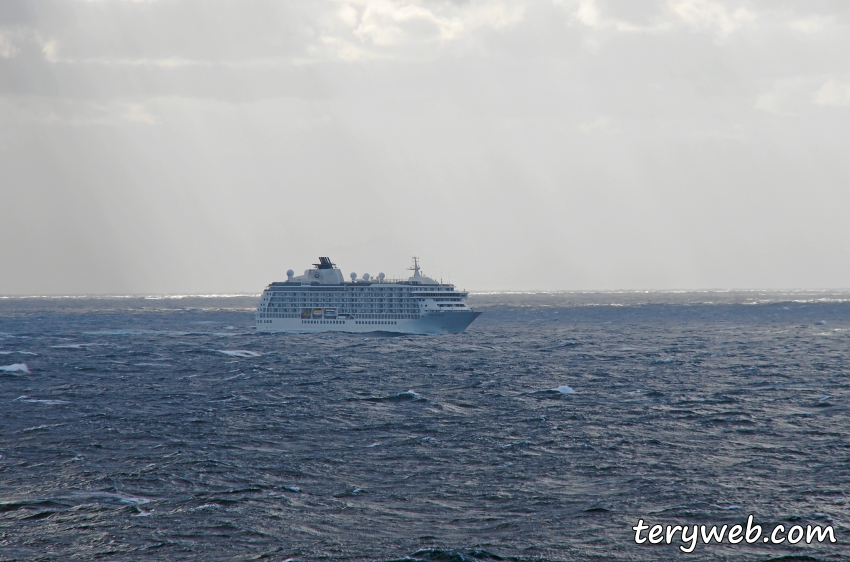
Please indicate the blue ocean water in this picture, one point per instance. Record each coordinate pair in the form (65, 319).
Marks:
(167, 429)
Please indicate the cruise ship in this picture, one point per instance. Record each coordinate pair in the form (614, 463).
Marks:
(322, 300)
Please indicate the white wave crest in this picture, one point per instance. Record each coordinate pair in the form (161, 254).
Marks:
(564, 389)
(24, 398)
(16, 368)
(238, 352)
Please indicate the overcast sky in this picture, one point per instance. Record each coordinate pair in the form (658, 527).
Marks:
(204, 146)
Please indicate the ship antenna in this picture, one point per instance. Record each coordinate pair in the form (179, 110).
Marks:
(415, 268)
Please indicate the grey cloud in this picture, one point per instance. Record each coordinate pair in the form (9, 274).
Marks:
(20, 12)
(208, 30)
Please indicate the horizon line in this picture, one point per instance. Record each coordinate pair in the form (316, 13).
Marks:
(177, 296)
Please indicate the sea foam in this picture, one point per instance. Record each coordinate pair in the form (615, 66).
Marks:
(238, 352)
(564, 389)
(408, 396)
(49, 402)
(552, 393)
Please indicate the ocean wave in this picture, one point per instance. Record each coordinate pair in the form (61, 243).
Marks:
(133, 332)
(40, 427)
(407, 396)
(439, 555)
(16, 368)
(568, 343)
(238, 352)
(49, 402)
(479, 464)
(556, 392)
(563, 389)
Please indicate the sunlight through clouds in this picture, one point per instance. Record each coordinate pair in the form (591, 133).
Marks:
(714, 16)
(697, 15)
(698, 142)
(386, 23)
(590, 14)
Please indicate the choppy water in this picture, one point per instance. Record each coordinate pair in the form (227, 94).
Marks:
(167, 429)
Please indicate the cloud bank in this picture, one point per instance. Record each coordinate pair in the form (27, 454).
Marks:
(167, 146)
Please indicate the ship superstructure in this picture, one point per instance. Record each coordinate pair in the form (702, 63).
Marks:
(322, 300)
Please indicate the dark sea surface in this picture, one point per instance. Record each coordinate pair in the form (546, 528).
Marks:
(167, 429)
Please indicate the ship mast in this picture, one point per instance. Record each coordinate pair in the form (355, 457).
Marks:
(415, 268)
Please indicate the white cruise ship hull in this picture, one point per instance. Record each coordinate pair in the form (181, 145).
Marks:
(430, 323)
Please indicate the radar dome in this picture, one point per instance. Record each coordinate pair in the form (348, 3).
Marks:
(290, 274)
(365, 276)
(381, 276)
(353, 276)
